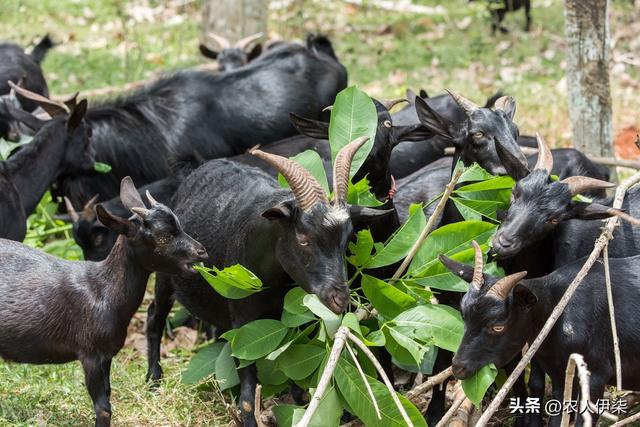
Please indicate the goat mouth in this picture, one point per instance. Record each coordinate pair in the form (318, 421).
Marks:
(189, 267)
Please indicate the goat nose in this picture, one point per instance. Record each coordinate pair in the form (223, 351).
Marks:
(504, 241)
(201, 252)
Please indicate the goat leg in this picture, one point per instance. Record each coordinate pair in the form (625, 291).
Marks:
(156, 319)
(97, 382)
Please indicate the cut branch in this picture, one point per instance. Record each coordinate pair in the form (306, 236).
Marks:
(459, 398)
(612, 317)
(627, 421)
(429, 384)
(601, 242)
(577, 361)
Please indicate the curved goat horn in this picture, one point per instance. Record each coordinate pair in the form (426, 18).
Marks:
(152, 201)
(500, 290)
(141, 212)
(581, 184)
(71, 210)
(478, 278)
(390, 103)
(87, 211)
(545, 159)
(467, 105)
(52, 107)
(222, 42)
(342, 167)
(243, 43)
(305, 187)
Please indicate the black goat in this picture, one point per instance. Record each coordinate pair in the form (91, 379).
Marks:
(499, 8)
(234, 56)
(18, 66)
(214, 115)
(502, 315)
(61, 147)
(283, 239)
(58, 311)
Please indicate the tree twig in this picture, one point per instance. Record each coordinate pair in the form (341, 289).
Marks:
(577, 361)
(612, 317)
(459, 398)
(559, 308)
(429, 226)
(627, 421)
(339, 342)
(383, 375)
(429, 384)
(257, 404)
(462, 415)
(366, 382)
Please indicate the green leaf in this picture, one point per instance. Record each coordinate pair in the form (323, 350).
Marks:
(292, 320)
(293, 301)
(476, 209)
(352, 387)
(329, 411)
(353, 115)
(269, 373)
(202, 364)
(439, 322)
(401, 241)
(426, 365)
(387, 299)
(400, 346)
(331, 320)
(361, 249)
(496, 183)
(284, 414)
(277, 352)
(448, 240)
(258, 338)
(226, 372)
(360, 194)
(474, 172)
(301, 360)
(101, 167)
(234, 282)
(476, 386)
(312, 162)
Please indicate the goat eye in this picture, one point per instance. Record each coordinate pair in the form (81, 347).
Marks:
(98, 239)
(478, 135)
(386, 124)
(497, 329)
(303, 242)
(553, 221)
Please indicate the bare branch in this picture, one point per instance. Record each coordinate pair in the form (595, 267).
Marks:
(459, 398)
(257, 404)
(462, 415)
(577, 361)
(429, 226)
(429, 384)
(612, 317)
(601, 242)
(627, 421)
(338, 344)
(366, 382)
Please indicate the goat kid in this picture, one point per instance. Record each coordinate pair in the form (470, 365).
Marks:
(501, 315)
(58, 311)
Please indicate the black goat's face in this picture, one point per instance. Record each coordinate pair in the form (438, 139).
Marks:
(487, 137)
(495, 314)
(311, 246)
(538, 205)
(94, 239)
(232, 58)
(154, 234)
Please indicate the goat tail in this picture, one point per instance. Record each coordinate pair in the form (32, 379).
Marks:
(320, 43)
(493, 98)
(40, 50)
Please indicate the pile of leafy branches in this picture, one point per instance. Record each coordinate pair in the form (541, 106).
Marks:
(402, 316)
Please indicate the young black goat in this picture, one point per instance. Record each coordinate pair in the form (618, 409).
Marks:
(544, 219)
(499, 8)
(58, 311)
(502, 315)
(214, 115)
(18, 66)
(60, 148)
(281, 237)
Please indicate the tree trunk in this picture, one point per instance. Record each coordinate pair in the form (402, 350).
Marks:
(588, 54)
(234, 19)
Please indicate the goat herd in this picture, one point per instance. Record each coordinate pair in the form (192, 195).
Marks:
(170, 138)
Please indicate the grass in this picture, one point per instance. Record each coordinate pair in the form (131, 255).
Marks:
(112, 42)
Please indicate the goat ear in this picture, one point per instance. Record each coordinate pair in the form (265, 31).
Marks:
(431, 120)
(254, 52)
(506, 104)
(584, 210)
(129, 196)
(523, 296)
(312, 128)
(282, 210)
(113, 222)
(423, 93)
(208, 53)
(76, 116)
(464, 271)
(411, 133)
(28, 119)
(361, 212)
(513, 160)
